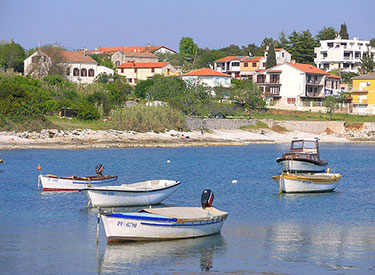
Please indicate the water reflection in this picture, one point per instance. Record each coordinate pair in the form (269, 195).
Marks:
(131, 256)
(326, 245)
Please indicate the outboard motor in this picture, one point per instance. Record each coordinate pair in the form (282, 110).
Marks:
(207, 198)
(99, 169)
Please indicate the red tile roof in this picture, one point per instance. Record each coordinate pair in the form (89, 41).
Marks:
(334, 76)
(143, 65)
(205, 72)
(307, 68)
(252, 59)
(228, 58)
(108, 50)
(75, 56)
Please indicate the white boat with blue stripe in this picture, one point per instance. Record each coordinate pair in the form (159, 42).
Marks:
(165, 223)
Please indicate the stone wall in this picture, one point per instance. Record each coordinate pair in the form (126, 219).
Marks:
(313, 127)
(217, 123)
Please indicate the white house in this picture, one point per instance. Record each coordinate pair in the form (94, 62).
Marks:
(133, 72)
(78, 67)
(208, 78)
(344, 54)
(297, 86)
(282, 56)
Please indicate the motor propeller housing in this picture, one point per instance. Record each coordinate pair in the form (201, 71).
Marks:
(99, 169)
(207, 198)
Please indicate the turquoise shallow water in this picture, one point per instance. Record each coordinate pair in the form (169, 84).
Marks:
(329, 233)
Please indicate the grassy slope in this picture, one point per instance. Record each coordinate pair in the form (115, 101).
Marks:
(65, 123)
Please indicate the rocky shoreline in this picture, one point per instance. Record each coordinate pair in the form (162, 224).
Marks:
(86, 138)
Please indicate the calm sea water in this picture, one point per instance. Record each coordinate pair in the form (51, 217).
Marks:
(266, 232)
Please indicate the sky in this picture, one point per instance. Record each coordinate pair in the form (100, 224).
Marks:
(212, 24)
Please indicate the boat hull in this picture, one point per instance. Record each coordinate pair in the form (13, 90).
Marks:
(294, 183)
(70, 184)
(138, 227)
(116, 196)
(301, 166)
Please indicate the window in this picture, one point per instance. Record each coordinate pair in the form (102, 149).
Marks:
(135, 70)
(236, 64)
(75, 72)
(68, 71)
(291, 100)
(264, 64)
(117, 63)
(91, 72)
(245, 64)
(309, 145)
(83, 72)
(130, 80)
(296, 144)
(122, 70)
(282, 54)
(152, 70)
(254, 64)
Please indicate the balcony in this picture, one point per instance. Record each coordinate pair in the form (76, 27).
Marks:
(313, 82)
(313, 94)
(360, 101)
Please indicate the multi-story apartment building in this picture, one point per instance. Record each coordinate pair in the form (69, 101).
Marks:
(343, 54)
(296, 86)
(363, 94)
(230, 65)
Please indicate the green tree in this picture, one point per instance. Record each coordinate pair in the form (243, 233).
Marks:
(250, 49)
(344, 32)
(103, 60)
(327, 33)
(248, 94)
(233, 50)
(267, 42)
(271, 57)
(207, 57)
(12, 55)
(301, 46)
(332, 103)
(103, 78)
(283, 40)
(368, 63)
(372, 42)
(188, 48)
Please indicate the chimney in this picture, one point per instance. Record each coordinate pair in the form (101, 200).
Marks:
(293, 61)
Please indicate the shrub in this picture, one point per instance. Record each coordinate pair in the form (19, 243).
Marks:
(141, 118)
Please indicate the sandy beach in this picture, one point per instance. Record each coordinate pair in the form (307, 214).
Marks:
(85, 139)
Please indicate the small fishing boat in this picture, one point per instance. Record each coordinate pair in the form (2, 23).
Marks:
(74, 183)
(141, 193)
(164, 223)
(298, 183)
(303, 157)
